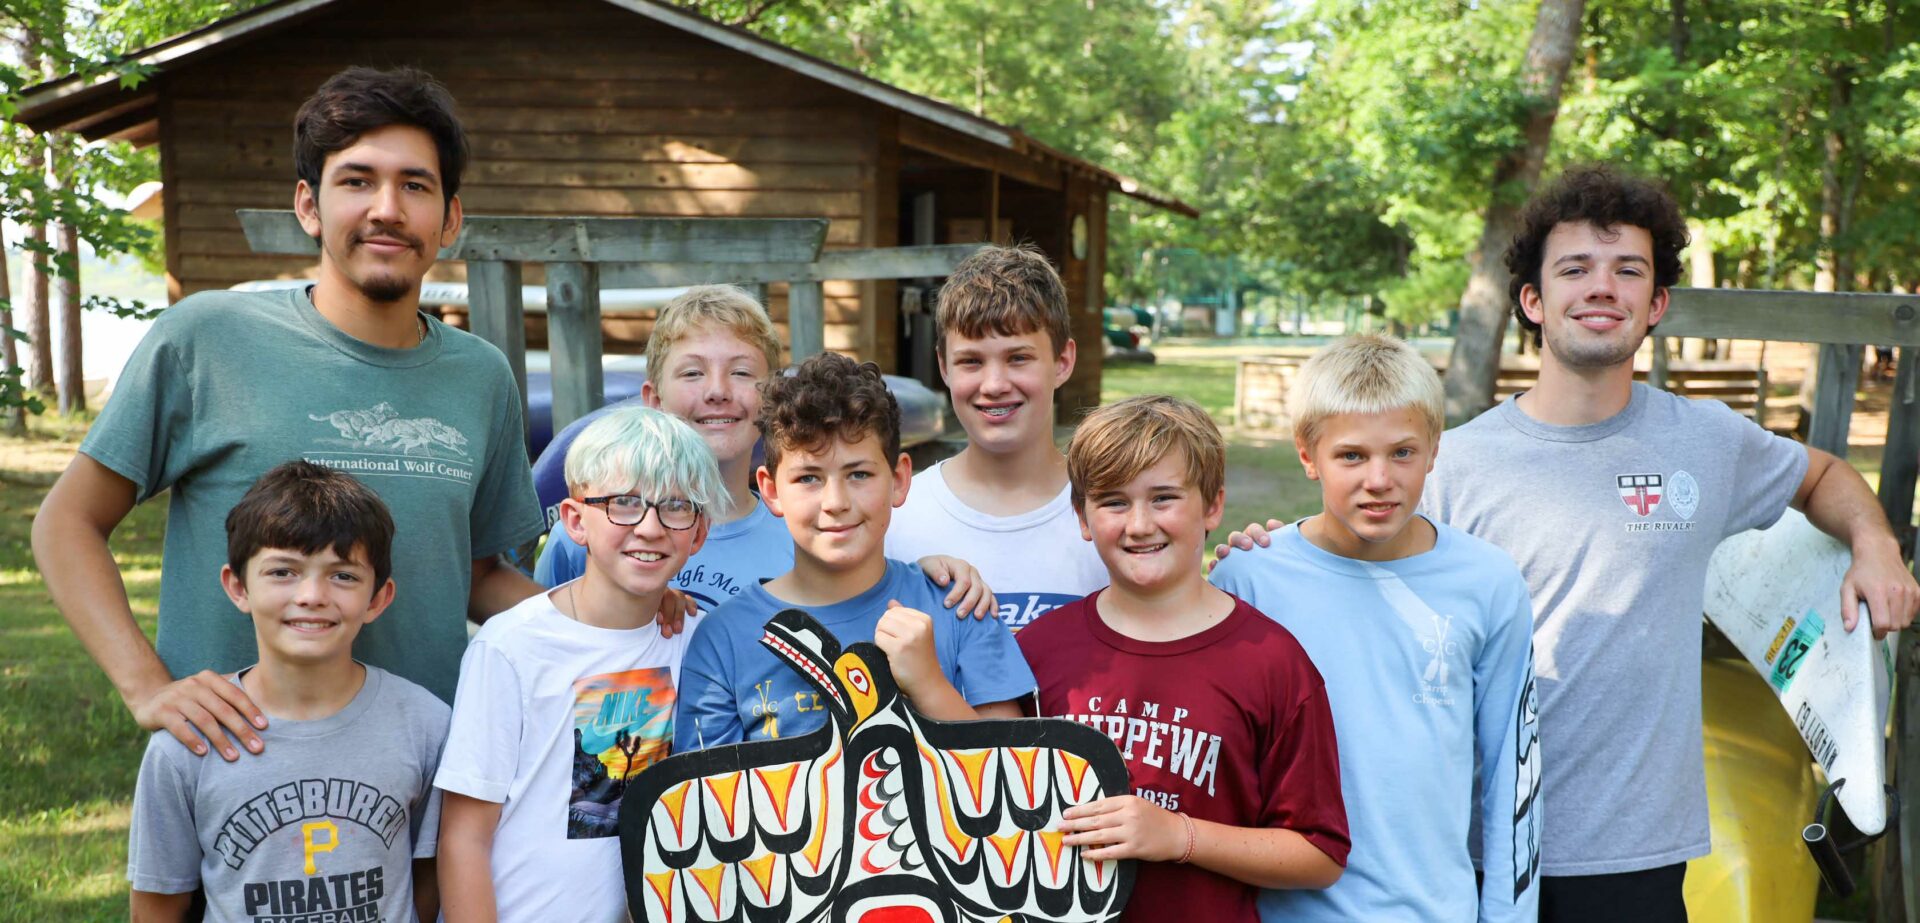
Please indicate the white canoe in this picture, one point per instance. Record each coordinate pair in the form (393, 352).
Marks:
(1776, 594)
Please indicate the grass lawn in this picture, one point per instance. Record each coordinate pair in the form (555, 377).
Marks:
(1264, 479)
(66, 773)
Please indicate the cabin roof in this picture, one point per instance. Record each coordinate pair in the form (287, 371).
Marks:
(99, 106)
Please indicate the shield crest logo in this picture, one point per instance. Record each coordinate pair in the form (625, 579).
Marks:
(1641, 492)
(1683, 494)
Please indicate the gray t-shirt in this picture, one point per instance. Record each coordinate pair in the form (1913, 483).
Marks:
(321, 827)
(229, 384)
(1613, 523)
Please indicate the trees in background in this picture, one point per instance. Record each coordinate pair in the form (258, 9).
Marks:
(1368, 150)
(54, 184)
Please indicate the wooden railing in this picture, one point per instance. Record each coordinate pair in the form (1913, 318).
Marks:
(584, 255)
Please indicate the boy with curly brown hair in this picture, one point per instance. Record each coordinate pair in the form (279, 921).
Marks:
(835, 473)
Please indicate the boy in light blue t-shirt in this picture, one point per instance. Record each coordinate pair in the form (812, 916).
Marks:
(1423, 634)
(835, 473)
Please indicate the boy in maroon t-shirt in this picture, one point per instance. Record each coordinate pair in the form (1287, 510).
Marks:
(1221, 717)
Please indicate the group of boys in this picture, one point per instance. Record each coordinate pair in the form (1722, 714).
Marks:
(1342, 725)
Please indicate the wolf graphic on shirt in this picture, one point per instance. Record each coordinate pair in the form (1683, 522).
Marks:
(382, 427)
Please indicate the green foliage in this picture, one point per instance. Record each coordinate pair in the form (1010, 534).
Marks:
(58, 179)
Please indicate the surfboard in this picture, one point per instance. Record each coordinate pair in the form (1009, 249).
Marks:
(1775, 593)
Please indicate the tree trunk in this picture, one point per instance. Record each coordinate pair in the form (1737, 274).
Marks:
(33, 302)
(13, 417)
(1700, 259)
(1475, 363)
(35, 285)
(72, 377)
(1680, 34)
(1833, 271)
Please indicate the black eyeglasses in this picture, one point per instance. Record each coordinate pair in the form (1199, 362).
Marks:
(629, 510)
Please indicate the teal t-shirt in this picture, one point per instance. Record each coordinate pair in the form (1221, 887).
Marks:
(229, 384)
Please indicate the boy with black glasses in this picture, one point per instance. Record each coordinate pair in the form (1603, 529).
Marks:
(566, 697)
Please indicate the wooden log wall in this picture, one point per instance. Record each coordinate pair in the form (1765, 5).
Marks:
(574, 107)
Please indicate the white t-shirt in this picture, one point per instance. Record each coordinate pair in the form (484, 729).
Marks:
(1034, 561)
(552, 718)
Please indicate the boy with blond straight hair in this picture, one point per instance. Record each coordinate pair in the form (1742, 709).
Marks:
(1004, 347)
(565, 698)
(835, 473)
(710, 351)
(1222, 719)
(1424, 635)
(710, 354)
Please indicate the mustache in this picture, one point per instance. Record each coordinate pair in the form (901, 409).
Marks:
(362, 236)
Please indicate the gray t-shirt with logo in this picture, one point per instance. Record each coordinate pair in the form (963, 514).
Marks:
(322, 827)
(229, 384)
(1613, 524)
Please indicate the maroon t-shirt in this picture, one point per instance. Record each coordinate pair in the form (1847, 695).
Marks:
(1229, 725)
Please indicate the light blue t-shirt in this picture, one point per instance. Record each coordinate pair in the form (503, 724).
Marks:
(1428, 663)
(733, 689)
(737, 555)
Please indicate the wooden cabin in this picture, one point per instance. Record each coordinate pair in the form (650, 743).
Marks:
(615, 108)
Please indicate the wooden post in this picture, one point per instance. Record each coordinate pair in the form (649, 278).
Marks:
(497, 315)
(1833, 397)
(1900, 464)
(1657, 375)
(1906, 746)
(573, 338)
(922, 361)
(806, 319)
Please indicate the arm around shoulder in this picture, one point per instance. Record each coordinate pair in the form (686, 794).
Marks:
(70, 547)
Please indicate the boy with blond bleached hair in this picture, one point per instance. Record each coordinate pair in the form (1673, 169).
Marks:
(1424, 635)
(565, 698)
(1005, 347)
(710, 354)
(1221, 717)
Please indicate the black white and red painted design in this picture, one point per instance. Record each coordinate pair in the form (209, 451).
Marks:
(881, 816)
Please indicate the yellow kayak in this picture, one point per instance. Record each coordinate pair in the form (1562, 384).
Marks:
(1762, 788)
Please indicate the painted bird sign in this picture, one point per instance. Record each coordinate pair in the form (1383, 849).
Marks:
(881, 816)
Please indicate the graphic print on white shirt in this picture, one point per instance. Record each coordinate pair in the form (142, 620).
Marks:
(622, 723)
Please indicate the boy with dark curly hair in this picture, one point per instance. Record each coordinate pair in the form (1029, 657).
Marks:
(835, 473)
(1611, 496)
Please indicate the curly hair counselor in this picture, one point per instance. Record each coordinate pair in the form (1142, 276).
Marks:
(1605, 199)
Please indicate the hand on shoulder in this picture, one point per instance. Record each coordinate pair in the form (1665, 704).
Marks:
(203, 709)
(1246, 539)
